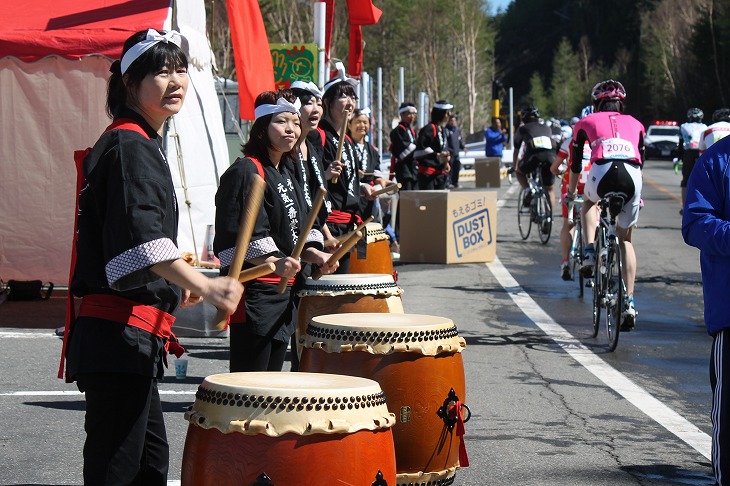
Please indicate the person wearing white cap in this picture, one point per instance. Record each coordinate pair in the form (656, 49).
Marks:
(432, 151)
(339, 96)
(262, 327)
(128, 271)
(403, 144)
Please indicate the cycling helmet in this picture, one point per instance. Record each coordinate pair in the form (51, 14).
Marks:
(721, 114)
(575, 119)
(609, 90)
(586, 111)
(529, 113)
(695, 115)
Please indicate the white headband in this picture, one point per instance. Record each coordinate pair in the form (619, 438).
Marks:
(407, 108)
(281, 106)
(443, 106)
(153, 37)
(342, 78)
(307, 86)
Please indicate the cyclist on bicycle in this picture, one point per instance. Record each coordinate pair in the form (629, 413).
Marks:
(617, 142)
(539, 150)
(560, 166)
(689, 145)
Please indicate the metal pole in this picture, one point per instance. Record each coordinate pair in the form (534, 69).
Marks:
(401, 85)
(511, 120)
(320, 9)
(380, 110)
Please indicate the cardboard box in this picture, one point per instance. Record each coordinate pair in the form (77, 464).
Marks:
(487, 171)
(448, 226)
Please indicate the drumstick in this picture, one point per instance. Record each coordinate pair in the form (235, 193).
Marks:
(347, 236)
(245, 230)
(387, 189)
(256, 272)
(343, 130)
(313, 213)
(346, 246)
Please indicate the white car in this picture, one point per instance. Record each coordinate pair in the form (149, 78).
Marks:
(662, 140)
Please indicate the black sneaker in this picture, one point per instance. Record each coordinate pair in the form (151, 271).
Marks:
(565, 271)
(527, 200)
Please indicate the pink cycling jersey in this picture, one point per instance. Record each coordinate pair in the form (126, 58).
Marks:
(611, 135)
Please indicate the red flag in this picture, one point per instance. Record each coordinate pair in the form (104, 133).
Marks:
(363, 12)
(254, 67)
(354, 64)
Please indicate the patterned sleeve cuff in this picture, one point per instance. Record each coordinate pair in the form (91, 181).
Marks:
(315, 236)
(139, 258)
(257, 248)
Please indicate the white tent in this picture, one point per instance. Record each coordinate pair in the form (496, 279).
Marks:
(54, 62)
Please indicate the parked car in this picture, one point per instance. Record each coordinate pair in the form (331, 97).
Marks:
(662, 140)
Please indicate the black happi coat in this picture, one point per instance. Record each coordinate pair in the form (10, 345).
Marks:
(127, 223)
(278, 225)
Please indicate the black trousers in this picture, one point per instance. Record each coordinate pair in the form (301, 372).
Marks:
(250, 352)
(126, 441)
(720, 411)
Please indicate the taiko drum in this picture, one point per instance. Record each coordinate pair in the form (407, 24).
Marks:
(345, 294)
(288, 429)
(417, 361)
(372, 253)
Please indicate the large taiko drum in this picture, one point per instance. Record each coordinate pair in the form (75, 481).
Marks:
(345, 294)
(372, 253)
(288, 429)
(417, 361)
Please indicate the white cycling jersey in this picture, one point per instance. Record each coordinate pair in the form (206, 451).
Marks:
(692, 134)
(714, 132)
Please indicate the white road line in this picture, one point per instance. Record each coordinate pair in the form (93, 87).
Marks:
(27, 335)
(617, 381)
(64, 393)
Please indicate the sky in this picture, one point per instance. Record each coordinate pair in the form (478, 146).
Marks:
(499, 5)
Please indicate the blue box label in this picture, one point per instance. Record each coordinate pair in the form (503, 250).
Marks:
(472, 232)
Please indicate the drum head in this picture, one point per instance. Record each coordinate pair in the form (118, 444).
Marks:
(384, 334)
(276, 403)
(355, 283)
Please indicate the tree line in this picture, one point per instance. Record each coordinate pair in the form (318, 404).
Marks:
(670, 54)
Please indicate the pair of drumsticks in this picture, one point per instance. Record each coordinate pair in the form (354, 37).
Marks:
(248, 219)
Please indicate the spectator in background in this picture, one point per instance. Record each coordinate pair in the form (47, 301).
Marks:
(495, 137)
(456, 145)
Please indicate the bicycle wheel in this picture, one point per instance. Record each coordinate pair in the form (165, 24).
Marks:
(597, 284)
(544, 217)
(614, 293)
(524, 218)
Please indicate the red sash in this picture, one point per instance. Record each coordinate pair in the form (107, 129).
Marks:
(131, 313)
(430, 170)
(343, 217)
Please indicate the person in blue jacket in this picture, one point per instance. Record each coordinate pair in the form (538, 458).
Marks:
(494, 138)
(706, 225)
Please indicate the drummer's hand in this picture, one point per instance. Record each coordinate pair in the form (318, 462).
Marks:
(189, 299)
(320, 258)
(367, 191)
(333, 170)
(224, 293)
(287, 267)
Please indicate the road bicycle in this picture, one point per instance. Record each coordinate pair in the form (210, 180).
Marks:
(609, 289)
(577, 246)
(539, 211)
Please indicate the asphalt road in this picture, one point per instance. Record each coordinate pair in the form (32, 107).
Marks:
(550, 405)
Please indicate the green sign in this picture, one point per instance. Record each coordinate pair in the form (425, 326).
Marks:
(294, 62)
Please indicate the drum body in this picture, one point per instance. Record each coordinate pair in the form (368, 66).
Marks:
(372, 253)
(417, 361)
(293, 428)
(346, 294)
